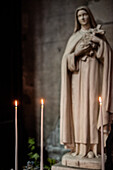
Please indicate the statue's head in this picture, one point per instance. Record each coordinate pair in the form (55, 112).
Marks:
(88, 18)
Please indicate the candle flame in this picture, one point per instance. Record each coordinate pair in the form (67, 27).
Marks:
(16, 103)
(42, 101)
(100, 100)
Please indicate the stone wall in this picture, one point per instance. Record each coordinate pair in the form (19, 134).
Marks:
(46, 27)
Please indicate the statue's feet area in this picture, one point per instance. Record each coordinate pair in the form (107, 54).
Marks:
(90, 161)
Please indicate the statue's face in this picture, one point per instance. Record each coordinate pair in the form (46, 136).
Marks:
(83, 17)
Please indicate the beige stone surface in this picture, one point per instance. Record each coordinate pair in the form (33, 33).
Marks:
(83, 79)
(59, 166)
(46, 27)
(77, 161)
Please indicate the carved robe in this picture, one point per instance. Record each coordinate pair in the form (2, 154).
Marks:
(82, 82)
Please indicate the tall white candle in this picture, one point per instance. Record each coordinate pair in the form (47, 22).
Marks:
(42, 119)
(16, 137)
(102, 136)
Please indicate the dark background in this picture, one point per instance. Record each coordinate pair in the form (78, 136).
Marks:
(10, 84)
(46, 27)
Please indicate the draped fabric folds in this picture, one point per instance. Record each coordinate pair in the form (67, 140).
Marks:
(78, 90)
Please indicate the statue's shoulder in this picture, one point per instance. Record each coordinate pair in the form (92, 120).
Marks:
(74, 36)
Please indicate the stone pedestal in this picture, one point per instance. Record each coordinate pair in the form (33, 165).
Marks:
(59, 166)
(77, 161)
(70, 162)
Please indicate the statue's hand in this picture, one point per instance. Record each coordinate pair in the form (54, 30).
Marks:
(96, 40)
(82, 49)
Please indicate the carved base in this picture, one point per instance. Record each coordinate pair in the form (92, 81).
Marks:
(77, 161)
(59, 166)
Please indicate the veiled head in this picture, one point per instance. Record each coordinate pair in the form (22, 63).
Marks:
(92, 21)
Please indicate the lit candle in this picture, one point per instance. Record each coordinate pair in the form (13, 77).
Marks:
(42, 115)
(16, 137)
(102, 136)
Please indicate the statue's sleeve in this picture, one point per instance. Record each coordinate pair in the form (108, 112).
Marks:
(72, 62)
(100, 51)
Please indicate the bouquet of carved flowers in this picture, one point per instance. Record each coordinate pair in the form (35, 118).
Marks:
(87, 40)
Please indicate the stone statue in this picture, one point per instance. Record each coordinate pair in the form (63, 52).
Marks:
(86, 74)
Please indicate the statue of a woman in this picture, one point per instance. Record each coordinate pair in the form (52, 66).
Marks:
(86, 74)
